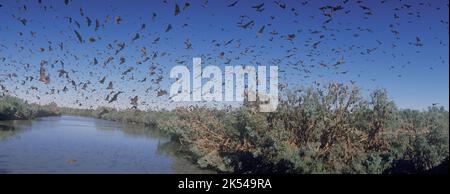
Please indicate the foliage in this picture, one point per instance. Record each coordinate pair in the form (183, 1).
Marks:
(15, 108)
(327, 130)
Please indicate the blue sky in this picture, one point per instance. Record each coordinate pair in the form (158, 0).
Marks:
(373, 56)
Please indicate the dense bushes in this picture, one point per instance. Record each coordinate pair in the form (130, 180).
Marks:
(15, 108)
(423, 139)
(329, 130)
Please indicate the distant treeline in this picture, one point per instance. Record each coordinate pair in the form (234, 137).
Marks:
(12, 108)
(327, 130)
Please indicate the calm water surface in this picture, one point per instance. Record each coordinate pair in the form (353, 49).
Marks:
(70, 144)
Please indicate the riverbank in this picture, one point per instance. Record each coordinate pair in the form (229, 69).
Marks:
(12, 108)
(318, 131)
(327, 130)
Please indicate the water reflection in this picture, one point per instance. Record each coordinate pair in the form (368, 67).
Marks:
(8, 129)
(69, 144)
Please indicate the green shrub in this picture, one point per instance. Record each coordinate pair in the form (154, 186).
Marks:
(14, 108)
(321, 130)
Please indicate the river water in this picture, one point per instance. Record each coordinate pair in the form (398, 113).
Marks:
(72, 144)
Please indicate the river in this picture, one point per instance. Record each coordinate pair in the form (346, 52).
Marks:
(72, 144)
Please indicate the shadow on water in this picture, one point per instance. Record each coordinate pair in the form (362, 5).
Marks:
(182, 163)
(9, 129)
